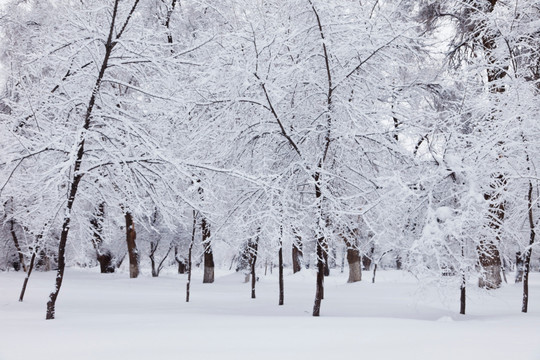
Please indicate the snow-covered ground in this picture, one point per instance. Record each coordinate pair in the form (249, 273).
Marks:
(112, 317)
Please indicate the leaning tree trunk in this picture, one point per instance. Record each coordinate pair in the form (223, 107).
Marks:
(208, 276)
(153, 249)
(527, 260)
(30, 268)
(133, 253)
(76, 173)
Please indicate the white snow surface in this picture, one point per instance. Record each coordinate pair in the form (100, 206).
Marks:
(113, 317)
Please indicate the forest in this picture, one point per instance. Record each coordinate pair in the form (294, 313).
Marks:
(270, 136)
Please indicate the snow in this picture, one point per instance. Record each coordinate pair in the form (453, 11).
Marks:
(111, 316)
(444, 213)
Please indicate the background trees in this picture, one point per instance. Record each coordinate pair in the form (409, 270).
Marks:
(300, 125)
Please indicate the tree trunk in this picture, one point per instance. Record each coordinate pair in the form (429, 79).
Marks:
(355, 266)
(322, 244)
(189, 264)
(106, 264)
(180, 261)
(519, 267)
(399, 262)
(281, 289)
(253, 247)
(489, 257)
(208, 255)
(374, 273)
(320, 249)
(153, 262)
(353, 257)
(319, 292)
(133, 253)
(528, 253)
(326, 262)
(462, 300)
(30, 268)
(103, 255)
(368, 259)
(77, 174)
(297, 253)
(181, 267)
(17, 245)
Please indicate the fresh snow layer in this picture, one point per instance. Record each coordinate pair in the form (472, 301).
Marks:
(108, 316)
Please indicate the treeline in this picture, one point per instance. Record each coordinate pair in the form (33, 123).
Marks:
(294, 133)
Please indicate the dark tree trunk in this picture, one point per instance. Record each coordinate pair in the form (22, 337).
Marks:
(30, 268)
(253, 247)
(181, 267)
(168, 21)
(77, 174)
(157, 269)
(462, 299)
(319, 292)
(17, 245)
(528, 252)
(208, 254)
(189, 264)
(326, 262)
(368, 258)
(133, 253)
(374, 273)
(103, 255)
(106, 262)
(519, 267)
(180, 261)
(399, 263)
(322, 244)
(153, 248)
(281, 289)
